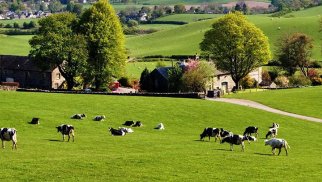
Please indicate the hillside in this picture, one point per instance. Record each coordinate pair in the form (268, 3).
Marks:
(185, 39)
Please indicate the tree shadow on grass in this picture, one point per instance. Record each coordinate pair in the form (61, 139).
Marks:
(223, 149)
(263, 154)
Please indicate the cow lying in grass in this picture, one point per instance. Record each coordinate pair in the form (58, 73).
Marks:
(159, 126)
(7, 134)
(237, 140)
(251, 129)
(99, 118)
(277, 143)
(117, 132)
(65, 129)
(78, 116)
(126, 130)
(128, 123)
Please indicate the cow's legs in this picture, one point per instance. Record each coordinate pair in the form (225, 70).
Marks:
(279, 150)
(231, 147)
(243, 146)
(273, 150)
(286, 150)
(63, 138)
(3, 144)
(68, 137)
(14, 145)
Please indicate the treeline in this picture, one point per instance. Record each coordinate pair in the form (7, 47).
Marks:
(286, 6)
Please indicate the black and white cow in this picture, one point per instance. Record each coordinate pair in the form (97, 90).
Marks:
(210, 132)
(277, 143)
(126, 130)
(78, 116)
(238, 140)
(272, 132)
(251, 129)
(128, 123)
(117, 132)
(225, 133)
(66, 129)
(99, 118)
(138, 124)
(275, 125)
(7, 134)
(159, 126)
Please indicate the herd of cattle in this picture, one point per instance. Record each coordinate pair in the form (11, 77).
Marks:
(233, 139)
(10, 134)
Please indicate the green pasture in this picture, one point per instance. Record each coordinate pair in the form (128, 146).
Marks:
(189, 18)
(14, 44)
(174, 2)
(174, 154)
(306, 101)
(134, 69)
(19, 21)
(185, 39)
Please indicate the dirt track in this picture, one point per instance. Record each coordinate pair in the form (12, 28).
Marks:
(263, 107)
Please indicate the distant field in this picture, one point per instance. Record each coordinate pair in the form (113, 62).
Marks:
(305, 101)
(189, 18)
(14, 45)
(186, 2)
(134, 69)
(185, 39)
(175, 154)
(19, 21)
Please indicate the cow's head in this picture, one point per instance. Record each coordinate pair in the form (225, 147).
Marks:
(83, 115)
(59, 128)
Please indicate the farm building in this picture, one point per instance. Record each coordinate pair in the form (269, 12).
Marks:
(22, 70)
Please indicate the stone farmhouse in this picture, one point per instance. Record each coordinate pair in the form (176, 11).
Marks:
(25, 72)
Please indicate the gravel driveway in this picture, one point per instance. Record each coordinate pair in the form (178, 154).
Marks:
(263, 107)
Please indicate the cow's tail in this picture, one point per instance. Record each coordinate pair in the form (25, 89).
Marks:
(286, 145)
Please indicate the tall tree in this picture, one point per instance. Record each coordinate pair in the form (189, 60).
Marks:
(236, 46)
(295, 51)
(175, 78)
(105, 43)
(57, 45)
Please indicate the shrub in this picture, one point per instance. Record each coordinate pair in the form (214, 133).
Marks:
(316, 81)
(248, 82)
(16, 25)
(299, 80)
(281, 81)
(160, 64)
(312, 73)
(125, 82)
(316, 64)
(266, 76)
(8, 26)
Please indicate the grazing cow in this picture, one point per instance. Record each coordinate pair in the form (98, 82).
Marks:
(272, 132)
(78, 116)
(160, 126)
(34, 121)
(65, 129)
(128, 123)
(277, 143)
(7, 134)
(237, 140)
(225, 133)
(275, 125)
(210, 132)
(99, 118)
(126, 130)
(116, 132)
(138, 124)
(251, 129)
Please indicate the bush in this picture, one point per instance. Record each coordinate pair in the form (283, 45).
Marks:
(299, 80)
(312, 73)
(316, 81)
(16, 25)
(125, 82)
(281, 81)
(316, 64)
(248, 82)
(8, 26)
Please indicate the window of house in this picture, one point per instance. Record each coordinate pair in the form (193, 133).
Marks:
(57, 76)
(56, 85)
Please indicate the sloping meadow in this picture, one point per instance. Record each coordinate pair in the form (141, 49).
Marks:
(173, 154)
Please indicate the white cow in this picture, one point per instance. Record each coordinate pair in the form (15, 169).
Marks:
(160, 126)
(277, 143)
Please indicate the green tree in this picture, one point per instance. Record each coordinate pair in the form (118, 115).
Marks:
(196, 78)
(55, 6)
(236, 46)
(175, 78)
(145, 80)
(56, 44)
(105, 43)
(295, 51)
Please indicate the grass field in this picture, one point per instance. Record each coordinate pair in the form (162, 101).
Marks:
(175, 154)
(14, 44)
(185, 39)
(134, 69)
(305, 101)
